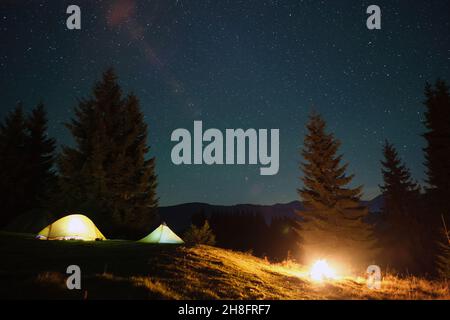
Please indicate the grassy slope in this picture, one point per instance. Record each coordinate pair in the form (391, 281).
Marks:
(126, 270)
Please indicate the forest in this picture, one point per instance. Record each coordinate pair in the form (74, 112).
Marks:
(109, 175)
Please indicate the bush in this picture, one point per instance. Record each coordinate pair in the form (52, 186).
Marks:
(200, 235)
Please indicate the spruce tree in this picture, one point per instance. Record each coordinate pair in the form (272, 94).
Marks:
(333, 225)
(437, 162)
(40, 159)
(403, 236)
(400, 192)
(26, 161)
(13, 178)
(108, 174)
(437, 150)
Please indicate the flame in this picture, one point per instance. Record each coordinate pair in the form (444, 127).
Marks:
(320, 271)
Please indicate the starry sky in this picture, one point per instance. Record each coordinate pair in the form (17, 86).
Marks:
(237, 64)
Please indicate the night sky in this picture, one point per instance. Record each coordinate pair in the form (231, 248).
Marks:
(237, 64)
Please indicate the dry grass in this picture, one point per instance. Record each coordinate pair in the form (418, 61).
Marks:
(244, 276)
(211, 273)
(127, 270)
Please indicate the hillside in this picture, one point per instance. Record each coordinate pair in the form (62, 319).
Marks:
(129, 270)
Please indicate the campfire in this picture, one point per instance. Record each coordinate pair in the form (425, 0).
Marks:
(321, 271)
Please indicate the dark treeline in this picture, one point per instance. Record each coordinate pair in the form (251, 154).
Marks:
(248, 231)
(414, 234)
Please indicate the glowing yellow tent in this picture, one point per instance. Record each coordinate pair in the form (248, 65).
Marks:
(162, 234)
(72, 227)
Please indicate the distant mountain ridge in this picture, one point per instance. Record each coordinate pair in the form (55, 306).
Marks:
(179, 216)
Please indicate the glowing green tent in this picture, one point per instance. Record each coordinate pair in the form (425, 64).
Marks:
(162, 234)
(71, 227)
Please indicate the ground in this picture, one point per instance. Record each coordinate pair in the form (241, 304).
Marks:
(36, 269)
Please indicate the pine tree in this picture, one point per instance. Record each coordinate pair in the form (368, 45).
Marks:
(333, 225)
(402, 238)
(13, 179)
(107, 173)
(40, 159)
(437, 150)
